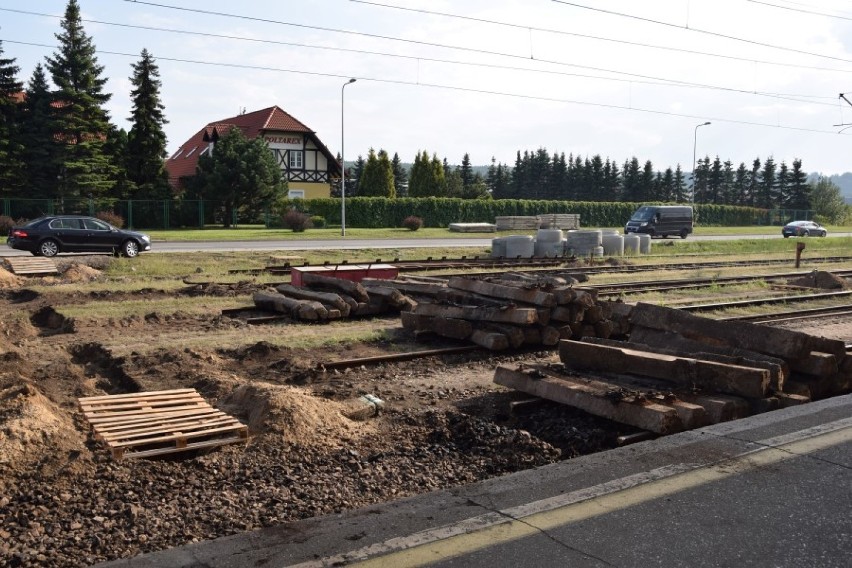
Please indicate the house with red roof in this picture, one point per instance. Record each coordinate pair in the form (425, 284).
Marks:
(305, 162)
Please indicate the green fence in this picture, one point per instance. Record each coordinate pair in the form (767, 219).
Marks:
(364, 212)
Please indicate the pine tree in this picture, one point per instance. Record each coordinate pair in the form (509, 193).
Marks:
(728, 191)
(400, 176)
(40, 146)
(81, 120)
(491, 176)
(666, 188)
(12, 169)
(713, 192)
(146, 142)
(701, 181)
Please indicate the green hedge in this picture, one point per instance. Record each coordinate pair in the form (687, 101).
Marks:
(382, 212)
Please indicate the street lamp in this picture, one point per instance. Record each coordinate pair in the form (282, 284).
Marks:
(342, 166)
(694, 145)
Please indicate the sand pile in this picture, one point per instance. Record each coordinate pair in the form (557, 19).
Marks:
(30, 424)
(9, 280)
(291, 413)
(81, 273)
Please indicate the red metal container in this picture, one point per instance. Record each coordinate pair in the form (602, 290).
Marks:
(353, 272)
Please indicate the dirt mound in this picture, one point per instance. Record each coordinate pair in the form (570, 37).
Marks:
(81, 273)
(9, 280)
(30, 425)
(292, 414)
(821, 279)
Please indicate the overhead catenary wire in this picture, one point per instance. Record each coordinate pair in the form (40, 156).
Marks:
(701, 31)
(602, 38)
(800, 10)
(636, 77)
(452, 88)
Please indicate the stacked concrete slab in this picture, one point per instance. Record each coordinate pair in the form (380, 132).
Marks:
(679, 371)
(508, 310)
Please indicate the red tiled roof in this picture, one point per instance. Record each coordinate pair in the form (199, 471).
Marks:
(183, 162)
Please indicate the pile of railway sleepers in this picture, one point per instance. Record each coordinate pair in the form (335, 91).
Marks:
(326, 298)
(679, 371)
(507, 310)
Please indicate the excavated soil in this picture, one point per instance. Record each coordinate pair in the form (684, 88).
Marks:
(64, 501)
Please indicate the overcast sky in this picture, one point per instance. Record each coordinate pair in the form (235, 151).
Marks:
(489, 77)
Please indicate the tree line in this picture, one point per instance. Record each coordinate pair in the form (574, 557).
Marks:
(58, 142)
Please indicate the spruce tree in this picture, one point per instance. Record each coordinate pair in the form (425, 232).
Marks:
(439, 179)
(242, 174)
(354, 181)
(400, 176)
(81, 121)
(680, 194)
(798, 187)
(767, 186)
(12, 170)
(40, 145)
(377, 178)
(466, 172)
(742, 183)
(418, 182)
(146, 141)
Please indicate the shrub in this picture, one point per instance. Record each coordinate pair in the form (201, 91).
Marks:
(318, 221)
(412, 223)
(113, 219)
(6, 223)
(296, 220)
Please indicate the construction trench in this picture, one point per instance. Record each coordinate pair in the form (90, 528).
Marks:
(468, 378)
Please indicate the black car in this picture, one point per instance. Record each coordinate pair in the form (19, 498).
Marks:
(803, 229)
(52, 234)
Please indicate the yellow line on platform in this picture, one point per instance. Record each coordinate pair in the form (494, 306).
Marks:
(535, 523)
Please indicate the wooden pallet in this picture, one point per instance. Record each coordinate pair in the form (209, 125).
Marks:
(148, 424)
(24, 265)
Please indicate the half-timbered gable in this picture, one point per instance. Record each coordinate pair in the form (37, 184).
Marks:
(306, 163)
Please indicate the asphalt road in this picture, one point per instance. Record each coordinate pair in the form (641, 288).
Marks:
(349, 243)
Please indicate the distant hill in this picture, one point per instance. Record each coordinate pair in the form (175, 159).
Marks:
(843, 181)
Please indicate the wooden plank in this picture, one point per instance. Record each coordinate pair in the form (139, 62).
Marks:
(111, 422)
(717, 377)
(120, 453)
(529, 296)
(178, 436)
(22, 265)
(775, 341)
(591, 397)
(159, 422)
(135, 395)
(521, 316)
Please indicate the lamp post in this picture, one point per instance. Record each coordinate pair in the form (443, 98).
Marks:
(694, 145)
(343, 165)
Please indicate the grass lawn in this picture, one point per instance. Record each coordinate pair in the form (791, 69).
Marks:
(260, 233)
